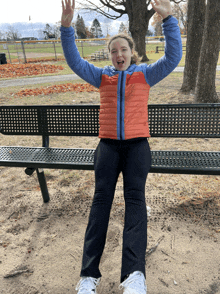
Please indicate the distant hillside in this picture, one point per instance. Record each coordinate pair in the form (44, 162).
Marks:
(26, 29)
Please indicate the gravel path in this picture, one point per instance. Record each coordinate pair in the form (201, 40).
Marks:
(37, 80)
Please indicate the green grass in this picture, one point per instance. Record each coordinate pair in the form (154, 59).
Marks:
(48, 48)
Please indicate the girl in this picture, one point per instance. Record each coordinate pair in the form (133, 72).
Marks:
(123, 147)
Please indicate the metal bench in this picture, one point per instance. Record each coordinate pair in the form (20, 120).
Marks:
(162, 48)
(100, 55)
(189, 121)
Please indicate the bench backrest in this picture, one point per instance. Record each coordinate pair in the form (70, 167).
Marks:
(168, 120)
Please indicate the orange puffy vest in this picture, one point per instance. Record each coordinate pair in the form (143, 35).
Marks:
(124, 106)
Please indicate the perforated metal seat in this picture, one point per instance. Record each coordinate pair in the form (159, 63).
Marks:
(185, 162)
(181, 162)
(63, 158)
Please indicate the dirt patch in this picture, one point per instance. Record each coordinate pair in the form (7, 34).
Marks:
(38, 54)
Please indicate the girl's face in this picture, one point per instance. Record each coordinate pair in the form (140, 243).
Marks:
(120, 54)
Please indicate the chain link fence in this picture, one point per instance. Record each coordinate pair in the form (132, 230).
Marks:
(27, 51)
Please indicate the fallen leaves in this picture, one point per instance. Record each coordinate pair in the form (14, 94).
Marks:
(62, 88)
(19, 70)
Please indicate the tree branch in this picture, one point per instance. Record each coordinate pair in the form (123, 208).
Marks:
(106, 3)
(151, 12)
(178, 1)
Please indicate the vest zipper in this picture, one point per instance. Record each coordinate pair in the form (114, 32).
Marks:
(121, 96)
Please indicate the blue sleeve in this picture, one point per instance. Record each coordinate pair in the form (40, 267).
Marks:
(81, 67)
(157, 71)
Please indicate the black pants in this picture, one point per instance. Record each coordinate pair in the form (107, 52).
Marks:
(133, 159)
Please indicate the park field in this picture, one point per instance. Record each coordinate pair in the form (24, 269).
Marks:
(41, 244)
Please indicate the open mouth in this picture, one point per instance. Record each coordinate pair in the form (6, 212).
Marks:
(120, 62)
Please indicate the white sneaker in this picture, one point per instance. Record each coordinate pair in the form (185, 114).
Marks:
(134, 284)
(87, 285)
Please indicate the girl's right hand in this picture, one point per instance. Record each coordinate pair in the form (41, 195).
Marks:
(163, 7)
(67, 13)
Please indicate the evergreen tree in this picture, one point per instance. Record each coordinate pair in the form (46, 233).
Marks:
(96, 29)
(122, 28)
(80, 28)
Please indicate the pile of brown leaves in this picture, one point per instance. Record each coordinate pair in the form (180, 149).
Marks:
(19, 70)
(55, 89)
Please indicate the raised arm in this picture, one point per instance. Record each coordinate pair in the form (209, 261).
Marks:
(81, 67)
(157, 71)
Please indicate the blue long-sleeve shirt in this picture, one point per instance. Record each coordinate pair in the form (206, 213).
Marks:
(124, 94)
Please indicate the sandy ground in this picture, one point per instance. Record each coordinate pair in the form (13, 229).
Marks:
(41, 244)
(44, 241)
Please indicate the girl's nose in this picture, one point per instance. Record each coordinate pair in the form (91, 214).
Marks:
(119, 53)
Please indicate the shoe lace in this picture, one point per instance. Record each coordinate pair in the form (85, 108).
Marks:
(134, 281)
(87, 284)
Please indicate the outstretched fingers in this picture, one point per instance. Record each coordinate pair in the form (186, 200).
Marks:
(163, 7)
(68, 4)
(68, 11)
(154, 2)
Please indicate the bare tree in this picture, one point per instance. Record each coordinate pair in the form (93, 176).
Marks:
(157, 24)
(180, 12)
(12, 33)
(107, 27)
(205, 85)
(1, 35)
(49, 32)
(139, 13)
(195, 24)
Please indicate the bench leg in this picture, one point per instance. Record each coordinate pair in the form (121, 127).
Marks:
(29, 171)
(43, 184)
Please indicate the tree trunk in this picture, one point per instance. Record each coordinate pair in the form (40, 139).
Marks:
(205, 85)
(195, 26)
(140, 46)
(139, 18)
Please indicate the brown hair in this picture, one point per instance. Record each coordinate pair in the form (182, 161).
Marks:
(134, 57)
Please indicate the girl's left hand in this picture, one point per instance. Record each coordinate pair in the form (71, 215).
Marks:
(163, 7)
